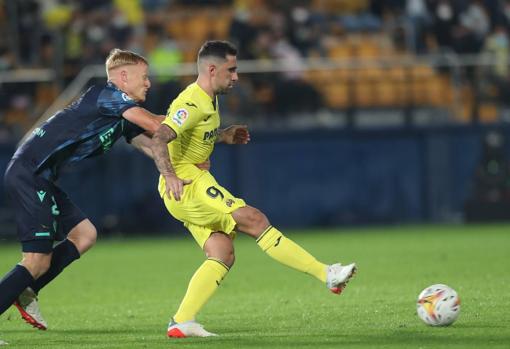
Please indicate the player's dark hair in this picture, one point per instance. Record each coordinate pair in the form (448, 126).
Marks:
(218, 49)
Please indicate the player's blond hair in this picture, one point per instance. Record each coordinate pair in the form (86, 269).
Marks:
(118, 58)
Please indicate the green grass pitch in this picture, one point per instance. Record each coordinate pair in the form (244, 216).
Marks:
(122, 293)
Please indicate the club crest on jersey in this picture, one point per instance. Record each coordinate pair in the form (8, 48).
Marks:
(180, 116)
(229, 202)
(126, 98)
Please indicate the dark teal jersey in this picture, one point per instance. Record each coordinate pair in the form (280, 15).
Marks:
(86, 128)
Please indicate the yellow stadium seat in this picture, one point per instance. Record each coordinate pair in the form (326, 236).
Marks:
(386, 94)
(337, 95)
(363, 94)
(488, 112)
(340, 51)
(367, 49)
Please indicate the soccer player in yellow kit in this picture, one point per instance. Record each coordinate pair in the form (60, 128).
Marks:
(181, 149)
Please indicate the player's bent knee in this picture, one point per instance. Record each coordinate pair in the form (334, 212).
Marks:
(251, 221)
(83, 236)
(229, 259)
(260, 222)
(219, 246)
(226, 258)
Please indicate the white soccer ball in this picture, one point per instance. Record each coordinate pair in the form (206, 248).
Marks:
(438, 305)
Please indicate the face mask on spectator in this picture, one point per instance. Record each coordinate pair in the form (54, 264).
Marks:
(506, 11)
(444, 12)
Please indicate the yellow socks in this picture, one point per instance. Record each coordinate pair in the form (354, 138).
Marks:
(201, 287)
(287, 252)
(209, 275)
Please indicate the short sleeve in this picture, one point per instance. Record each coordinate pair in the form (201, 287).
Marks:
(130, 130)
(113, 102)
(182, 117)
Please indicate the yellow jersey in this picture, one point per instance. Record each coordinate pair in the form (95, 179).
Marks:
(195, 118)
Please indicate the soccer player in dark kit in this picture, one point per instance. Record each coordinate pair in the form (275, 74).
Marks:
(44, 213)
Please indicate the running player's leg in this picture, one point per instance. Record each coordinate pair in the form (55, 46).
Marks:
(219, 251)
(43, 214)
(22, 275)
(205, 210)
(254, 223)
(28, 195)
(76, 231)
(82, 236)
(38, 264)
(80, 239)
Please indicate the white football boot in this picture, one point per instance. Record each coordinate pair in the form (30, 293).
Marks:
(187, 329)
(3, 342)
(29, 309)
(338, 276)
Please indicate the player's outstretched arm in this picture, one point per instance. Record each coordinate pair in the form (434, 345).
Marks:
(235, 134)
(143, 143)
(143, 118)
(174, 185)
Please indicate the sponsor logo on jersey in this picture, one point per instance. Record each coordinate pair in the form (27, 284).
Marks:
(180, 116)
(126, 97)
(106, 139)
(211, 135)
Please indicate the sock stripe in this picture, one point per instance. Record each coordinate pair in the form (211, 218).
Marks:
(219, 262)
(264, 233)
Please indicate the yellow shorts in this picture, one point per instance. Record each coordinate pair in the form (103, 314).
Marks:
(205, 207)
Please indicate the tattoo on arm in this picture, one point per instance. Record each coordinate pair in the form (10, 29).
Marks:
(160, 140)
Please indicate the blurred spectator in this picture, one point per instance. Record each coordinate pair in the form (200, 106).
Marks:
(492, 177)
(292, 93)
(242, 32)
(152, 6)
(163, 60)
(6, 59)
(87, 6)
(206, 2)
(120, 29)
(491, 192)
(445, 18)
(55, 14)
(473, 26)
(360, 20)
(305, 30)
(505, 14)
(417, 22)
(497, 48)
(67, 35)
(74, 42)
(28, 31)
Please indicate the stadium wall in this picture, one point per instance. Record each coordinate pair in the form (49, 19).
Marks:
(300, 179)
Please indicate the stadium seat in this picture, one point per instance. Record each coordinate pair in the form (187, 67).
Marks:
(364, 94)
(341, 51)
(386, 93)
(337, 96)
(45, 94)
